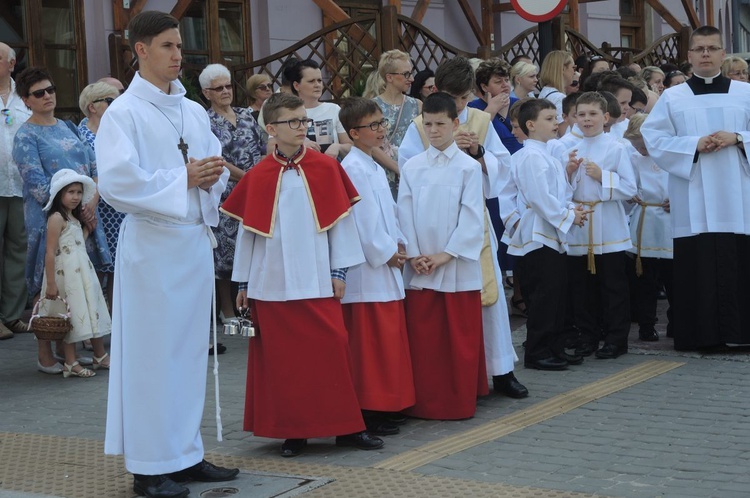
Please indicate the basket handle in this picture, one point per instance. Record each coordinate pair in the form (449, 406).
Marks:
(35, 311)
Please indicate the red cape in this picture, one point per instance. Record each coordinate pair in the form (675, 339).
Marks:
(256, 197)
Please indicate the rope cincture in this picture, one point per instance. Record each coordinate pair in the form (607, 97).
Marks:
(590, 252)
(641, 218)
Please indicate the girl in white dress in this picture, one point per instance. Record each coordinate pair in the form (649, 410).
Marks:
(68, 271)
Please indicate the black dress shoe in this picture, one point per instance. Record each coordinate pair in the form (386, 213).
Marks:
(572, 359)
(158, 486)
(508, 385)
(551, 363)
(586, 349)
(395, 418)
(293, 447)
(220, 349)
(610, 352)
(648, 334)
(382, 428)
(204, 472)
(360, 440)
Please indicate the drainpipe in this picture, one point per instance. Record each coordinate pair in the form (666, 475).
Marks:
(736, 28)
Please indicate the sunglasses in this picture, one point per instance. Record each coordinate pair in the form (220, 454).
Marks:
(40, 93)
(221, 88)
(8, 117)
(108, 100)
(266, 86)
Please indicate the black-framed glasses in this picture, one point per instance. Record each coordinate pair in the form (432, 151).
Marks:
(431, 88)
(406, 74)
(8, 118)
(711, 49)
(40, 93)
(383, 123)
(296, 123)
(220, 88)
(108, 100)
(265, 86)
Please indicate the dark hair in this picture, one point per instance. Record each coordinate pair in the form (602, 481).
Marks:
(455, 76)
(30, 77)
(704, 31)
(278, 101)
(419, 80)
(686, 67)
(626, 72)
(518, 58)
(489, 68)
(592, 82)
(440, 102)
(613, 106)
(148, 24)
(291, 61)
(593, 98)
(672, 75)
(614, 84)
(569, 102)
(57, 206)
(293, 72)
(516, 107)
(669, 67)
(530, 110)
(355, 109)
(638, 96)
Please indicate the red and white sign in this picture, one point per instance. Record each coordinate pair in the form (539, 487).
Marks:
(538, 10)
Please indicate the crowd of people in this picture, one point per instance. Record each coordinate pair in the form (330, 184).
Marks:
(370, 240)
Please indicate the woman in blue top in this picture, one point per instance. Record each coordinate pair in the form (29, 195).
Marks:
(43, 146)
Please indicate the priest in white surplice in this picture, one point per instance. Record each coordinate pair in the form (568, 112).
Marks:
(145, 150)
(697, 132)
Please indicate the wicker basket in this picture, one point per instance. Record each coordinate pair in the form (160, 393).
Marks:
(50, 328)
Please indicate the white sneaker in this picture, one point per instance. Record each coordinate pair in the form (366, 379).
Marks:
(54, 369)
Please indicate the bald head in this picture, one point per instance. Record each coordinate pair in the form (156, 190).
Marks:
(114, 82)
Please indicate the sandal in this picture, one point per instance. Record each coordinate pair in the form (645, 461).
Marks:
(83, 372)
(99, 362)
(516, 309)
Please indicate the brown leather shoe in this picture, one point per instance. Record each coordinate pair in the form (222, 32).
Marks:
(5, 333)
(17, 326)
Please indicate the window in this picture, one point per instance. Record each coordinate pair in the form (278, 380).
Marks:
(631, 24)
(49, 33)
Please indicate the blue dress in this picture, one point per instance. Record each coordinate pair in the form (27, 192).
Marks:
(241, 146)
(109, 218)
(40, 151)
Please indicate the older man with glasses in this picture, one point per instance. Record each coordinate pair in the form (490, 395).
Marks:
(12, 232)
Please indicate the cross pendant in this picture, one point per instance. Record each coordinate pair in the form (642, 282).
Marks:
(183, 146)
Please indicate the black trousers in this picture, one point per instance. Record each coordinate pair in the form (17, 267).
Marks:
(646, 291)
(602, 300)
(711, 290)
(544, 287)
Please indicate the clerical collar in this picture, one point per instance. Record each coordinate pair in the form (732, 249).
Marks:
(704, 86)
(709, 80)
(291, 162)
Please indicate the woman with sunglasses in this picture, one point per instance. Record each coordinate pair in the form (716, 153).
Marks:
(94, 101)
(259, 88)
(240, 139)
(43, 146)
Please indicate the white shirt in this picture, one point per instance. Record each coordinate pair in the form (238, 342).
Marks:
(710, 195)
(609, 224)
(379, 233)
(441, 209)
(556, 97)
(326, 123)
(543, 200)
(11, 184)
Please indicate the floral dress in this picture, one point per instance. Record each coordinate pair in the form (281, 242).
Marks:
(77, 283)
(397, 130)
(109, 217)
(241, 146)
(40, 151)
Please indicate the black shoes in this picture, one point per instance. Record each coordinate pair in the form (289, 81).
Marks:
(159, 486)
(381, 428)
(360, 440)
(571, 358)
(648, 334)
(586, 349)
(508, 385)
(551, 363)
(293, 447)
(220, 349)
(204, 472)
(610, 352)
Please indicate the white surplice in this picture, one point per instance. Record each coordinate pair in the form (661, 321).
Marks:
(296, 262)
(656, 236)
(544, 200)
(376, 219)
(710, 195)
(500, 356)
(608, 224)
(163, 276)
(441, 209)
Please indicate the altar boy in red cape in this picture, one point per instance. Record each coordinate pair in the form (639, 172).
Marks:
(296, 243)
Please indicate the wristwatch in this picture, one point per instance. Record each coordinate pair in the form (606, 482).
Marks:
(479, 154)
(739, 138)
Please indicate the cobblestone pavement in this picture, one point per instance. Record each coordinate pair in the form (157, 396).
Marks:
(651, 423)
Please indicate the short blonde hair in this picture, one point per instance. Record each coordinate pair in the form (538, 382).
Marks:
(374, 85)
(648, 71)
(551, 73)
(726, 66)
(634, 126)
(388, 60)
(521, 69)
(252, 84)
(96, 91)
